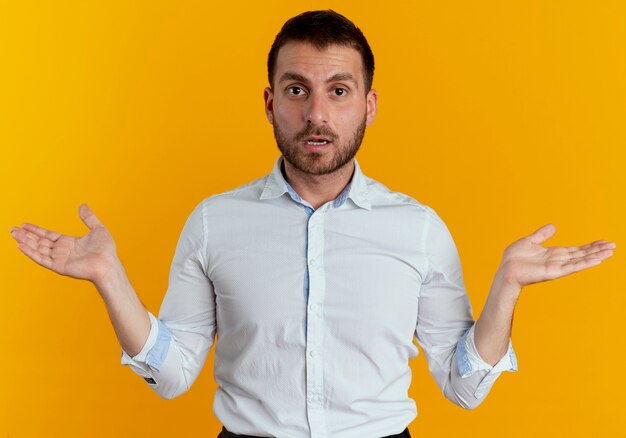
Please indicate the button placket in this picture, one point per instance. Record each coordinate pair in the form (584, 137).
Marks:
(315, 330)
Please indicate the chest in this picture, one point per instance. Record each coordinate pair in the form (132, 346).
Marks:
(361, 273)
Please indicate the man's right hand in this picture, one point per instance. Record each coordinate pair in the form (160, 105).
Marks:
(89, 257)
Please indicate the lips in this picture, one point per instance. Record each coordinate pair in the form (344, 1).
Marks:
(317, 138)
(316, 144)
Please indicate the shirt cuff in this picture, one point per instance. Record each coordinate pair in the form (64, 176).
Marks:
(154, 350)
(469, 361)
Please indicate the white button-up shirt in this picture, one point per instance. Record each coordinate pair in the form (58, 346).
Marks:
(315, 311)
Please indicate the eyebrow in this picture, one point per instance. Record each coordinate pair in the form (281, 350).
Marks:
(337, 77)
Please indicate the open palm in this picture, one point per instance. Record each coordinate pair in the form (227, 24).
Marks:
(85, 257)
(526, 261)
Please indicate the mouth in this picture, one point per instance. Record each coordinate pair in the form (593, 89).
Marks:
(317, 144)
(317, 141)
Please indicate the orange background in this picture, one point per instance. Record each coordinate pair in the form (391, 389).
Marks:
(502, 116)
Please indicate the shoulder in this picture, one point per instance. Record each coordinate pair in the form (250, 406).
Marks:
(399, 208)
(383, 196)
(249, 190)
(244, 193)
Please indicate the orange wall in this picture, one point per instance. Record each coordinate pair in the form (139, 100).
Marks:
(502, 116)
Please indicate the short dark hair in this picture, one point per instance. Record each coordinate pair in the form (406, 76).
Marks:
(322, 29)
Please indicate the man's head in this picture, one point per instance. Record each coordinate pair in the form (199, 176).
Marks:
(322, 29)
(320, 101)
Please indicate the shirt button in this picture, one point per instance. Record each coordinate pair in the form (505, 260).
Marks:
(316, 399)
(313, 353)
(312, 262)
(313, 307)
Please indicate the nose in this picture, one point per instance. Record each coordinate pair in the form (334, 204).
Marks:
(316, 112)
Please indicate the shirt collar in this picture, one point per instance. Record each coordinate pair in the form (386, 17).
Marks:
(356, 189)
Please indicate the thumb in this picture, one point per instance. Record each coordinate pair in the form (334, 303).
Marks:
(88, 216)
(542, 234)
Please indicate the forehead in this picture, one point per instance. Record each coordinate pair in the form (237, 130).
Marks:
(306, 59)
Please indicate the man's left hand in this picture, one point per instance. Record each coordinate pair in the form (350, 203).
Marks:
(526, 261)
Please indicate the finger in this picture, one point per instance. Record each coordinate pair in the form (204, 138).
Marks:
(34, 255)
(542, 234)
(590, 248)
(88, 216)
(579, 265)
(588, 260)
(31, 243)
(42, 232)
(43, 250)
(38, 243)
(603, 254)
(22, 236)
(575, 248)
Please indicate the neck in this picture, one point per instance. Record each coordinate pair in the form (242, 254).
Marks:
(317, 190)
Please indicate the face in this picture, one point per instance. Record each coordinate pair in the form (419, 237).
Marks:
(318, 106)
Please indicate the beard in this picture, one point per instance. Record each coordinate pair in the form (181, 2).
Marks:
(314, 163)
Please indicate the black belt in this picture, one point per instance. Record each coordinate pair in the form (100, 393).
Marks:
(227, 434)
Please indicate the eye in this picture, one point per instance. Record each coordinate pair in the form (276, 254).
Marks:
(295, 91)
(340, 91)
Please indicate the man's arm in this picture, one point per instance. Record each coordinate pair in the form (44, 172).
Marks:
(181, 337)
(128, 315)
(168, 352)
(445, 325)
(91, 257)
(525, 262)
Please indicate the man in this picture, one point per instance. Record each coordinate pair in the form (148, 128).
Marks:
(315, 277)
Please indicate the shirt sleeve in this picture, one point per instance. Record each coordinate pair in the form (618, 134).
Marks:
(445, 325)
(181, 337)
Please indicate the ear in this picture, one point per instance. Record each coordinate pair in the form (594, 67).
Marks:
(372, 106)
(268, 97)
